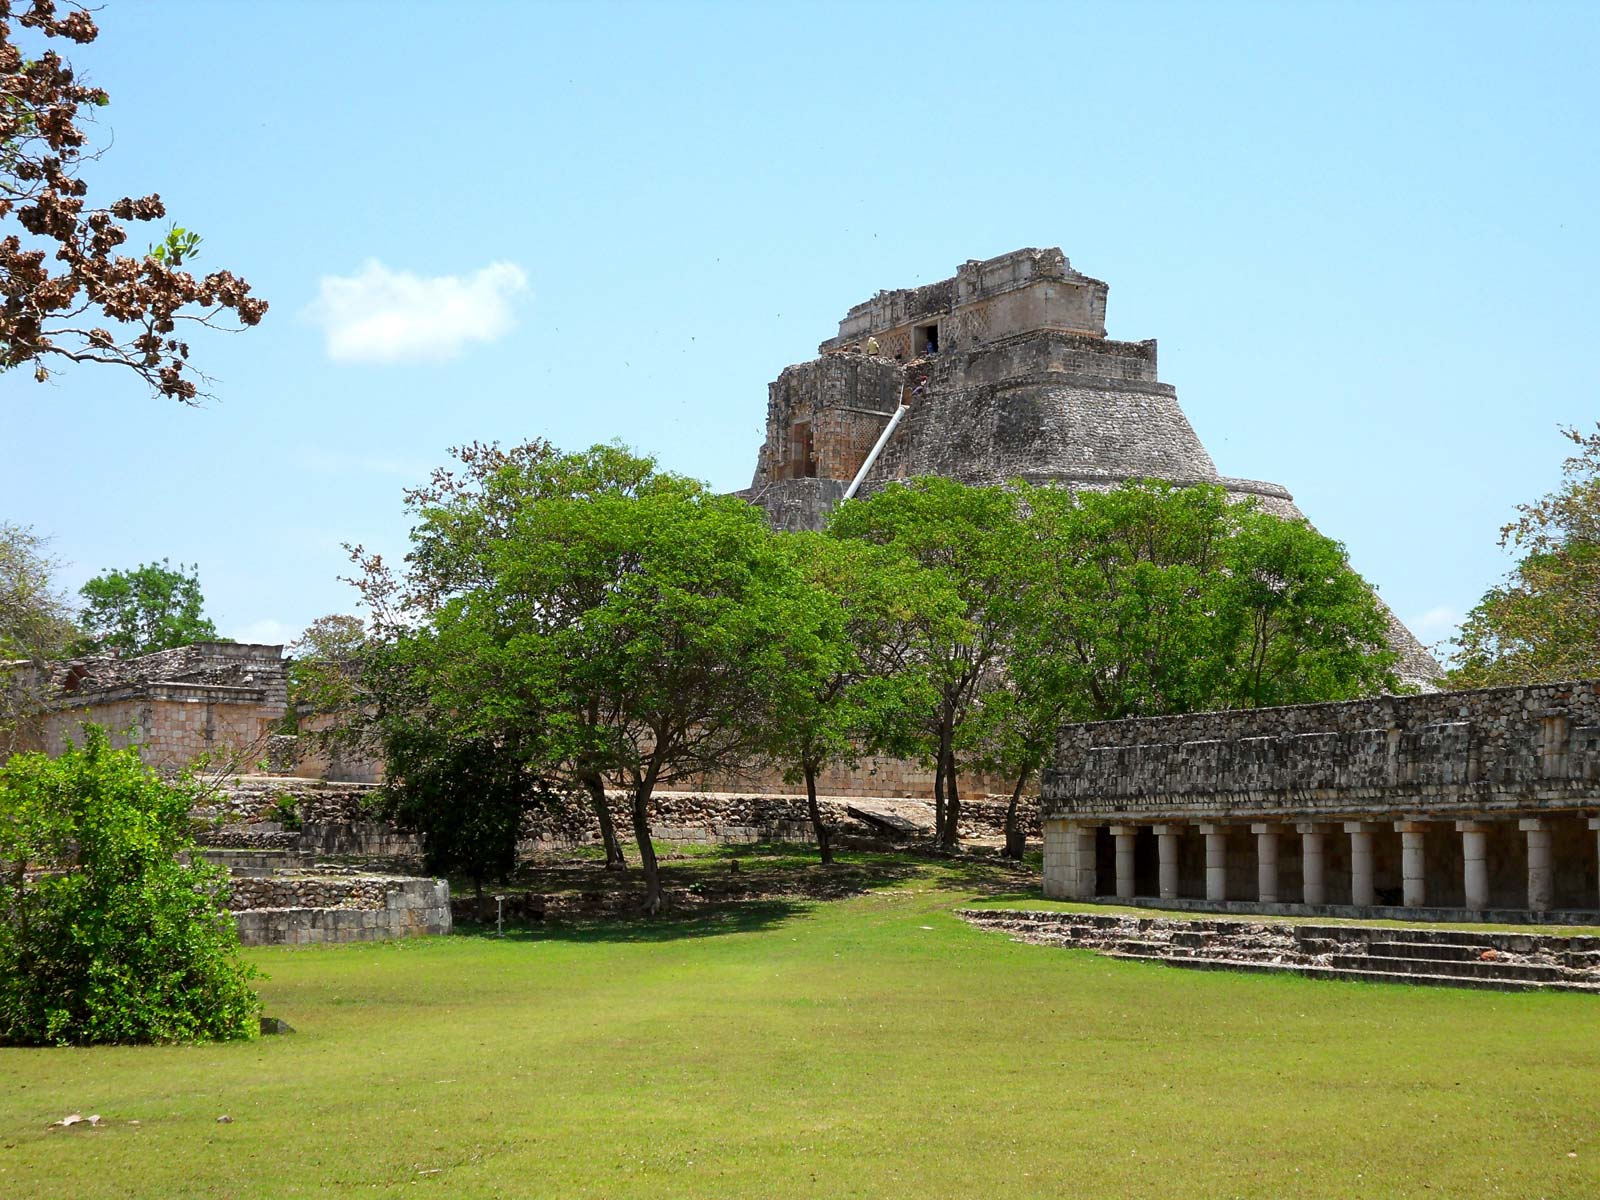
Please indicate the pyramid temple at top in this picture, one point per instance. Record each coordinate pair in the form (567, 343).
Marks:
(1002, 372)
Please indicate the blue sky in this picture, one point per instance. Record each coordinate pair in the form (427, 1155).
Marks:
(1364, 235)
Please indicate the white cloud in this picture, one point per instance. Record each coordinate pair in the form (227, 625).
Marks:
(1436, 624)
(382, 316)
(265, 632)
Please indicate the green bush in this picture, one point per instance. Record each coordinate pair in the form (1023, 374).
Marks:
(105, 936)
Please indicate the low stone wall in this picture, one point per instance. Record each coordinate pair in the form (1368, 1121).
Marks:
(295, 909)
(333, 819)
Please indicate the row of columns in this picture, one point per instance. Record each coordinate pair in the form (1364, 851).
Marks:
(1314, 858)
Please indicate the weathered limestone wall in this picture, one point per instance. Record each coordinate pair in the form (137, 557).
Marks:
(218, 699)
(1448, 752)
(297, 909)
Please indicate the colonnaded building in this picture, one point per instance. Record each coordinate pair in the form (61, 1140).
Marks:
(1452, 804)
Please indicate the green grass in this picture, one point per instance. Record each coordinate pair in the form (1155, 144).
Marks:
(869, 1046)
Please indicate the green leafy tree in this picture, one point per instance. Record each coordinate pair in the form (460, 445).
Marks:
(972, 538)
(153, 607)
(105, 936)
(324, 670)
(466, 799)
(36, 624)
(1152, 599)
(1542, 624)
(862, 680)
(620, 622)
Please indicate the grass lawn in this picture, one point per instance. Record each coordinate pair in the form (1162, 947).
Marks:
(867, 1046)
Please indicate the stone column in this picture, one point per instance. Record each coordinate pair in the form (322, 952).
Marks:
(1475, 862)
(1413, 869)
(1266, 862)
(1082, 877)
(1125, 835)
(1216, 861)
(1313, 862)
(1058, 866)
(1167, 849)
(1541, 866)
(1362, 891)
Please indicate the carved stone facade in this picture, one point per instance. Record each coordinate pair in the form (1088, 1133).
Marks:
(1007, 373)
(1460, 801)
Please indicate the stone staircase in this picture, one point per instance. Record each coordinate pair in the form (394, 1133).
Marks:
(1373, 954)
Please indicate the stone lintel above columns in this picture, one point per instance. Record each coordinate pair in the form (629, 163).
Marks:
(1362, 826)
(1260, 827)
(1533, 824)
(1124, 830)
(1474, 826)
(1411, 825)
(1168, 829)
(1312, 826)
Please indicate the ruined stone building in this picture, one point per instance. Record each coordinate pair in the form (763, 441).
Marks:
(1005, 372)
(221, 699)
(1446, 804)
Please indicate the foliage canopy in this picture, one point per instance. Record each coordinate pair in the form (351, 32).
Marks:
(100, 306)
(150, 608)
(105, 936)
(1542, 624)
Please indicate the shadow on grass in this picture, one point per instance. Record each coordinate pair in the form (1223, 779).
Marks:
(716, 890)
(672, 925)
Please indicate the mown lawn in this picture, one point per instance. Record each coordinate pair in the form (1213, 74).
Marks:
(869, 1046)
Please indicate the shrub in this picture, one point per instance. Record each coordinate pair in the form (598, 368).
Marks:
(105, 935)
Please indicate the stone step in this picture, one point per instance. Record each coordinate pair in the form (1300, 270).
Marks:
(1458, 969)
(1360, 976)
(1442, 951)
(1520, 942)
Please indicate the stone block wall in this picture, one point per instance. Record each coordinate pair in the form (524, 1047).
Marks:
(1500, 748)
(299, 910)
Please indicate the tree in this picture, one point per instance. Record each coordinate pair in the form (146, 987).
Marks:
(1153, 599)
(863, 679)
(36, 623)
(972, 538)
(620, 622)
(1542, 624)
(463, 518)
(323, 670)
(100, 306)
(150, 608)
(105, 935)
(465, 799)
(1163, 599)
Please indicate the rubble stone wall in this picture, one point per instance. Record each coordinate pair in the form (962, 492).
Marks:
(298, 911)
(1495, 749)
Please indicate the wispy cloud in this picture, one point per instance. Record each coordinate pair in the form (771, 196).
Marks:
(1436, 624)
(379, 315)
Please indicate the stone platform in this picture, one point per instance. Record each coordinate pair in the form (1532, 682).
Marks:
(1516, 962)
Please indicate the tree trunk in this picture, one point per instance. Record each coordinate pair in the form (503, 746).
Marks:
(824, 835)
(647, 849)
(938, 791)
(1016, 839)
(950, 837)
(608, 829)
